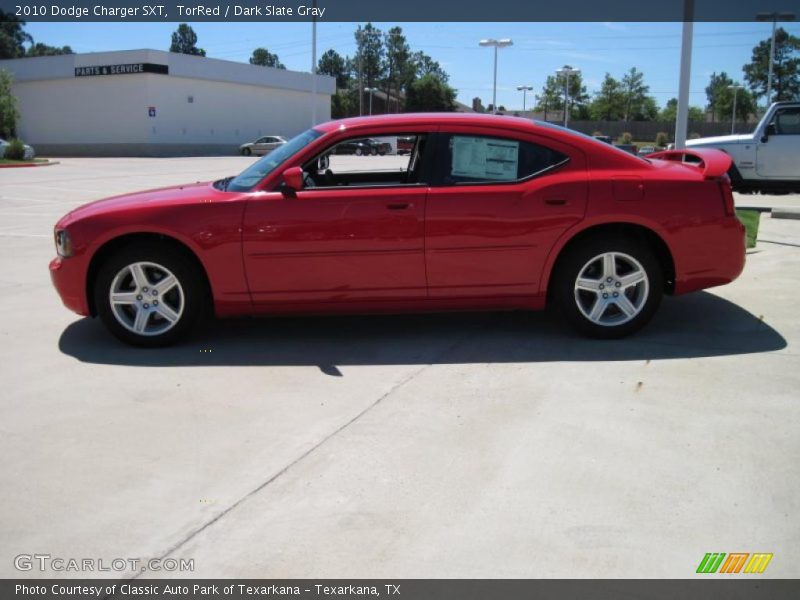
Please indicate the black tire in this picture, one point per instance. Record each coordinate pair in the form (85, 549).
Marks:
(246, 152)
(191, 288)
(373, 151)
(578, 260)
(358, 152)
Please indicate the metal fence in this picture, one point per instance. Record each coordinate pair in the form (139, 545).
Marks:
(647, 130)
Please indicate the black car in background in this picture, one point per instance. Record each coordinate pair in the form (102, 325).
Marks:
(363, 147)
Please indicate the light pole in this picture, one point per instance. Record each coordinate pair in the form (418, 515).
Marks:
(566, 71)
(524, 89)
(735, 89)
(314, 67)
(774, 17)
(370, 90)
(501, 43)
(682, 114)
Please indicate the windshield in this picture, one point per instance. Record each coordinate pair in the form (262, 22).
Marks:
(245, 180)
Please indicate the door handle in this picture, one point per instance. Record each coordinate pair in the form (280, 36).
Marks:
(555, 201)
(398, 205)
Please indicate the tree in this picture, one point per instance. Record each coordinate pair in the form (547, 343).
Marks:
(785, 72)
(552, 97)
(609, 102)
(8, 105)
(184, 41)
(264, 58)
(670, 112)
(40, 49)
(577, 93)
(425, 65)
(12, 36)
(333, 64)
(647, 110)
(429, 93)
(634, 91)
(344, 103)
(399, 69)
(369, 53)
(714, 91)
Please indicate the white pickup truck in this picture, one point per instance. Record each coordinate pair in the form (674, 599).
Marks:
(767, 159)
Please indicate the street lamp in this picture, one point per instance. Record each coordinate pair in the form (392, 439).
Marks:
(501, 43)
(735, 89)
(566, 71)
(524, 89)
(774, 17)
(370, 91)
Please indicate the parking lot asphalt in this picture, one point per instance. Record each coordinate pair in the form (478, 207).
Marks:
(460, 445)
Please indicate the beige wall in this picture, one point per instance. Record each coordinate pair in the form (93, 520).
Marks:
(232, 103)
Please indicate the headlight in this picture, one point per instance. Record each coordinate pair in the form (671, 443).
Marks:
(63, 243)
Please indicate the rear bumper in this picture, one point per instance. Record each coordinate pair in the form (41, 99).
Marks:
(717, 258)
(69, 279)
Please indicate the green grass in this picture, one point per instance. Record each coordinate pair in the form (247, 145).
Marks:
(750, 220)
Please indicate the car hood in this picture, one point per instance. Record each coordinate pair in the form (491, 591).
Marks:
(179, 194)
(720, 139)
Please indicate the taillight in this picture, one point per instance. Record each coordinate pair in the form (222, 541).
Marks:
(727, 195)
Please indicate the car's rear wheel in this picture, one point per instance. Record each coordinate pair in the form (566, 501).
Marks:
(149, 294)
(608, 288)
(358, 152)
(373, 151)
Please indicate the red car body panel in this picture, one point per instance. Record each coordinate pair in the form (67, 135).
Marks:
(418, 247)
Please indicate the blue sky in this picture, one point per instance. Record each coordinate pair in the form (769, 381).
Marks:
(539, 49)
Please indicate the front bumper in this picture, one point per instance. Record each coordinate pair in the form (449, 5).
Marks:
(69, 279)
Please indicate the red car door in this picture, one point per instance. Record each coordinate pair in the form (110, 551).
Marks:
(336, 243)
(498, 206)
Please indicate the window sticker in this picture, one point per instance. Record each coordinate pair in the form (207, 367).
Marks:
(484, 158)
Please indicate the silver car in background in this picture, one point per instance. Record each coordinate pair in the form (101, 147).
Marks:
(30, 153)
(263, 145)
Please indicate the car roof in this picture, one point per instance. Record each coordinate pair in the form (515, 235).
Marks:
(507, 122)
(411, 119)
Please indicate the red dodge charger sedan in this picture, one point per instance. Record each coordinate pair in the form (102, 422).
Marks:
(485, 212)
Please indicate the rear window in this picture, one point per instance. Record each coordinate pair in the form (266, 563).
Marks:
(484, 159)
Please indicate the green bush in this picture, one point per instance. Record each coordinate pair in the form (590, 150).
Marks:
(694, 136)
(626, 138)
(596, 133)
(15, 150)
(662, 139)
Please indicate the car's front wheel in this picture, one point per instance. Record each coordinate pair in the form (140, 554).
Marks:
(149, 295)
(608, 289)
(246, 152)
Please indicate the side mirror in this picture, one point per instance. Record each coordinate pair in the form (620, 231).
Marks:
(770, 130)
(293, 178)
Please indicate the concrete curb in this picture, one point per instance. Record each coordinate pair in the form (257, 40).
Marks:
(49, 163)
(786, 213)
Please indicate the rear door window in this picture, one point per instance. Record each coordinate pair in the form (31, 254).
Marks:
(485, 159)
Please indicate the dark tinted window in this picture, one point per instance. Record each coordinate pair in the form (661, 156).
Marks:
(482, 159)
(787, 121)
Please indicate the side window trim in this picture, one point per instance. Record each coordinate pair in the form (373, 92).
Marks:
(442, 148)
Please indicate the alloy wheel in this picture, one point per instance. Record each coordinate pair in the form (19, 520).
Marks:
(146, 298)
(611, 289)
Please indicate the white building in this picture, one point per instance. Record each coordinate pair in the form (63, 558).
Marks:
(156, 103)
